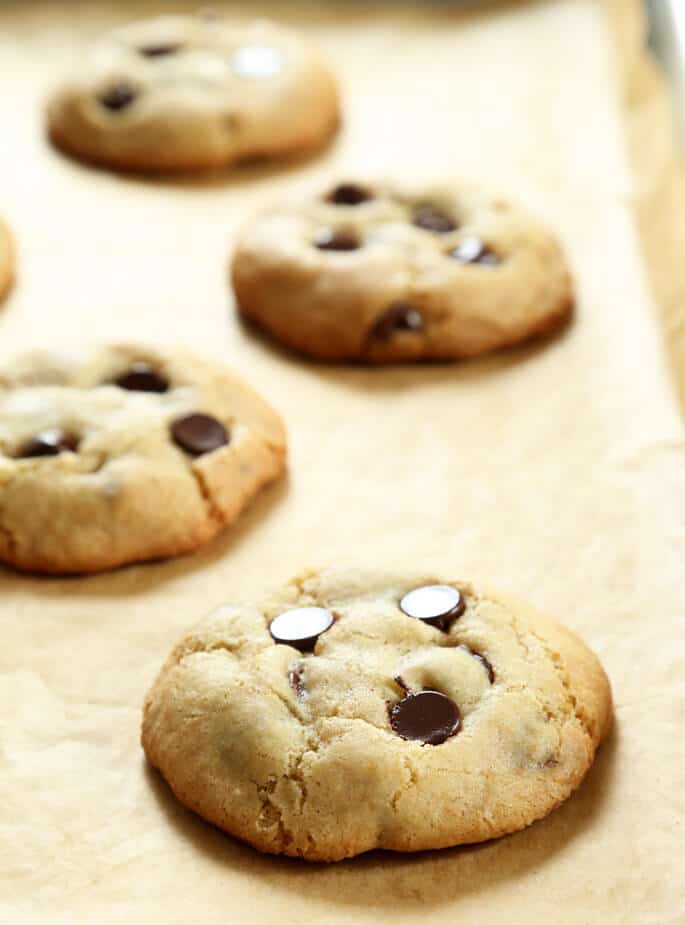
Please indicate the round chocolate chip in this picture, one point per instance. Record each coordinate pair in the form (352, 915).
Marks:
(118, 97)
(349, 194)
(141, 377)
(199, 433)
(49, 443)
(437, 605)
(301, 627)
(484, 662)
(399, 317)
(257, 61)
(474, 250)
(427, 716)
(330, 240)
(432, 219)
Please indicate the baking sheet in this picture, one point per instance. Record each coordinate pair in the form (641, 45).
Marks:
(555, 472)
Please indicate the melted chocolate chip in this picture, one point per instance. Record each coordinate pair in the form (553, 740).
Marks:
(427, 716)
(159, 50)
(301, 627)
(49, 443)
(349, 194)
(199, 433)
(484, 662)
(118, 97)
(336, 241)
(296, 680)
(437, 605)
(474, 250)
(141, 377)
(431, 219)
(399, 317)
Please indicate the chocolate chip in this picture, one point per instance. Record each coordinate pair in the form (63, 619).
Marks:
(336, 241)
(432, 219)
(49, 443)
(296, 680)
(428, 716)
(474, 250)
(159, 50)
(199, 433)
(118, 97)
(399, 317)
(484, 662)
(141, 377)
(301, 627)
(437, 605)
(349, 194)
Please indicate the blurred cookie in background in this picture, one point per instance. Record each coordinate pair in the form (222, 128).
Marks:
(376, 273)
(180, 93)
(126, 455)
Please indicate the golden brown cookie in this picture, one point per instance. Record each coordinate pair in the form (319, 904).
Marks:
(194, 92)
(354, 710)
(374, 273)
(130, 455)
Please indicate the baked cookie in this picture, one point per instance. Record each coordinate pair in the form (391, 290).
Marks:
(374, 273)
(194, 92)
(6, 260)
(134, 454)
(353, 711)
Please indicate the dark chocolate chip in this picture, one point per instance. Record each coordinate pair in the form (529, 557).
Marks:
(432, 219)
(159, 50)
(296, 680)
(484, 662)
(427, 716)
(141, 377)
(336, 241)
(474, 250)
(399, 317)
(49, 443)
(118, 97)
(199, 433)
(437, 605)
(301, 627)
(349, 194)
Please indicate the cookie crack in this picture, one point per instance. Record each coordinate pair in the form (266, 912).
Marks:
(212, 509)
(574, 709)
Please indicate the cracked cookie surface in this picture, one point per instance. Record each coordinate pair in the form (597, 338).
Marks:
(129, 454)
(194, 92)
(376, 273)
(385, 730)
(6, 259)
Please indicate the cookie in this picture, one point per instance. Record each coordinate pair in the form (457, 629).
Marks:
(6, 260)
(194, 92)
(351, 711)
(132, 454)
(374, 273)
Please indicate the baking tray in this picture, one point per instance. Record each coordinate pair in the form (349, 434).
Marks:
(555, 471)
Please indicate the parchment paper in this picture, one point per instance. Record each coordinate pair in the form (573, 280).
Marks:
(556, 472)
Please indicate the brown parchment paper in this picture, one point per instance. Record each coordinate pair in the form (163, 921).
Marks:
(556, 472)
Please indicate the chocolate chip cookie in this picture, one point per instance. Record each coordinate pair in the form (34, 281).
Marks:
(373, 273)
(194, 92)
(129, 455)
(350, 711)
(6, 259)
